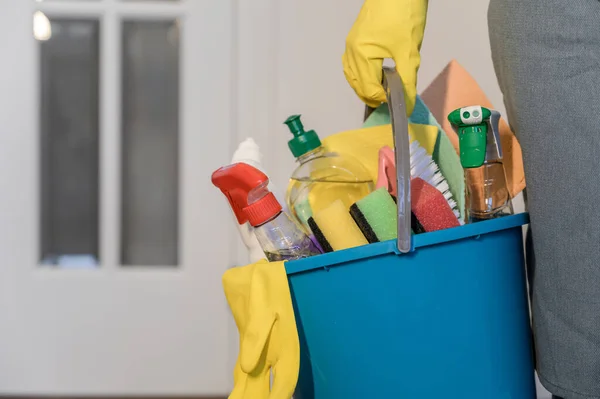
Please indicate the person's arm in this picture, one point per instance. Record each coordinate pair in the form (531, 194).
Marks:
(385, 29)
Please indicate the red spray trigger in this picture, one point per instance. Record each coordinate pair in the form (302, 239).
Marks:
(236, 181)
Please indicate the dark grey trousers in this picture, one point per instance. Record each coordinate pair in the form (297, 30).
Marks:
(547, 58)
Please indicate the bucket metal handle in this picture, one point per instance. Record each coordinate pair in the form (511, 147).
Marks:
(394, 91)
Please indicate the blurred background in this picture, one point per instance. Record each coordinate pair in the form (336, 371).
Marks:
(113, 115)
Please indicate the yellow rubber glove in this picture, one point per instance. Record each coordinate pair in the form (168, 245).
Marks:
(385, 29)
(259, 298)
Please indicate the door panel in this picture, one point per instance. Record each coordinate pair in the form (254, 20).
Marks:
(111, 329)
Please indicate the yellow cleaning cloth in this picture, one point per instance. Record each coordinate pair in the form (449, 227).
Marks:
(364, 144)
(259, 298)
(338, 227)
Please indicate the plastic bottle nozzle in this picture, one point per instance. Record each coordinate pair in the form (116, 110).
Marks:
(303, 141)
(471, 126)
(246, 190)
(236, 181)
(295, 125)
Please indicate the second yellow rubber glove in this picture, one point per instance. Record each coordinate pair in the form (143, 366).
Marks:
(385, 29)
(259, 298)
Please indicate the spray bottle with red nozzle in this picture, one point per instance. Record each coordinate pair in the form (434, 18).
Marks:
(246, 189)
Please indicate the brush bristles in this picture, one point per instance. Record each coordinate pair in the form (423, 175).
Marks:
(445, 189)
(423, 166)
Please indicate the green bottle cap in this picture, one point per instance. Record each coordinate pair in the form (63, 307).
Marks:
(303, 141)
(471, 125)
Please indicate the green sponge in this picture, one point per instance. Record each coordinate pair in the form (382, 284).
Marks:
(376, 216)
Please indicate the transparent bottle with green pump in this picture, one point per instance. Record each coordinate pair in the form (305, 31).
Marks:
(321, 176)
(487, 194)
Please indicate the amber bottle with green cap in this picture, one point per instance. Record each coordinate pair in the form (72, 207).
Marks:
(480, 150)
(321, 176)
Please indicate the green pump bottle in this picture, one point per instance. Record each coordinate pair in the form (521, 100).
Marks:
(321, 177)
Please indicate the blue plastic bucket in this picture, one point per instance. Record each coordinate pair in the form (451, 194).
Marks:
(447, 320)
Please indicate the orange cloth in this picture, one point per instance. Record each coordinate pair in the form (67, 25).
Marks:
(454, 88)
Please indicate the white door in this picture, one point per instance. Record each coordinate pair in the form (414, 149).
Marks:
(113, 114)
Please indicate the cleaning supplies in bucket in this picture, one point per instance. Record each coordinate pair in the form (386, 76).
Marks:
(478, 133)
(322, 177)
(246, 189)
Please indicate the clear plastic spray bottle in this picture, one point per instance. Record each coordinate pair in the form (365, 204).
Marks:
(246, 189)
(478, 133)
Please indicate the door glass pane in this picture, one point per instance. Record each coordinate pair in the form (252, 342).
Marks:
(150, 141)
(69, 140)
